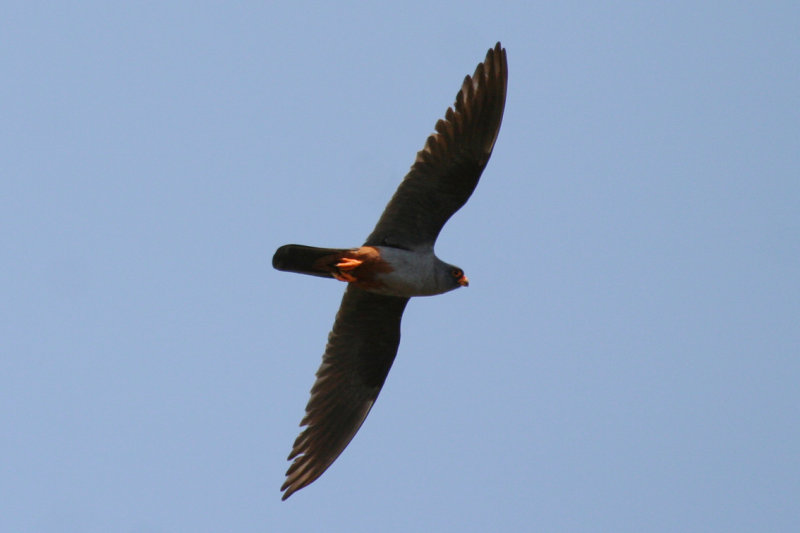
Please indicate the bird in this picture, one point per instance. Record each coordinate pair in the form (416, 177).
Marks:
(395, 263)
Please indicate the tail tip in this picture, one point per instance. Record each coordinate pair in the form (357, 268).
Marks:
(279, 259)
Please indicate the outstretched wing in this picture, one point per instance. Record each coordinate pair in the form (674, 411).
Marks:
(360, 351)
(447, 169)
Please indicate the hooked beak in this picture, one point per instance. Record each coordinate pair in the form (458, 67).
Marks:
(463, 281)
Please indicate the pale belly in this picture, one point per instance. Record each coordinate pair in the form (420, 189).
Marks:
(413, 274)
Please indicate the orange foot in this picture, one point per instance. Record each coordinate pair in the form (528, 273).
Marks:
(343, 268)
(348, 263)
(343, 276)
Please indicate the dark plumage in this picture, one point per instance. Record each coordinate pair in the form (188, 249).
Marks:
(396, 261)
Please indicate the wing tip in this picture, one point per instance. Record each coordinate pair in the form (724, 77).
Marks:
(483, 94)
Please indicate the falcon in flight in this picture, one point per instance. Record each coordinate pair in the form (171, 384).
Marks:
(395, 263)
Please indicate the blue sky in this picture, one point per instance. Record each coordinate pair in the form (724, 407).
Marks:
(625, 358)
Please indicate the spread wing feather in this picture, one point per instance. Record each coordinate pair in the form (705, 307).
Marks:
(361, 348)
(447, 169)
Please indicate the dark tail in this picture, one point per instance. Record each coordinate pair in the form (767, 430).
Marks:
(307, 259)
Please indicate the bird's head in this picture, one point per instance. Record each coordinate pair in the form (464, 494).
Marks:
(452, 277)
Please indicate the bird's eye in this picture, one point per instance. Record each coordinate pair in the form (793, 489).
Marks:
(457, 273)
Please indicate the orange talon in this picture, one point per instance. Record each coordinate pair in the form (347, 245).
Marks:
(343, 276)
(348, 263)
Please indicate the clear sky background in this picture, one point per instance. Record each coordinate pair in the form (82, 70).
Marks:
(625, 359)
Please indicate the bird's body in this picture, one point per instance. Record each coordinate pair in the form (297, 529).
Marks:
(380, 269)
(418, 273)
(395, 263)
